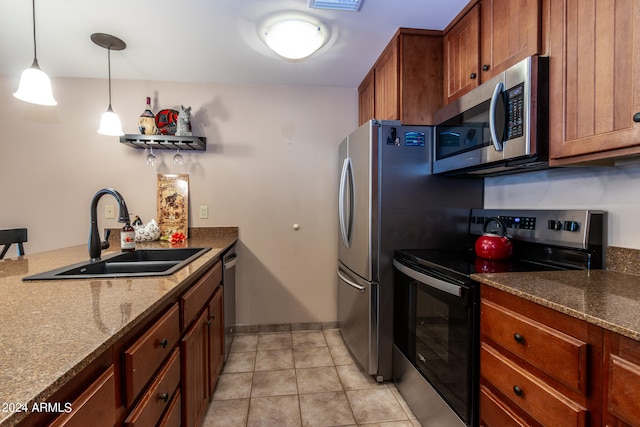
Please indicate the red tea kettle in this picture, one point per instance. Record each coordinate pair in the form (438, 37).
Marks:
(492, 245)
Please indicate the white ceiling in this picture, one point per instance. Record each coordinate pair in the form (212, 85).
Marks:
(203, 40)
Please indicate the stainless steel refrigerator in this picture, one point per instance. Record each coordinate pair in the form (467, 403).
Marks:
(389, 200)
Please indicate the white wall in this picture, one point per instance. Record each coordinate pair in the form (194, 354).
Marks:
(271, 161)
(616, 190)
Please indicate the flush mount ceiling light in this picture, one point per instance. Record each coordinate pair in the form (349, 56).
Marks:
(110, 122)
(349, 5)
(294, 38)
(35, 86)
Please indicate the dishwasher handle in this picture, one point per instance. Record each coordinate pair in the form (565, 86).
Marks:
(230, 262)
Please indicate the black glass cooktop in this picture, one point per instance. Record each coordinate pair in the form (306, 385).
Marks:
(461, 263)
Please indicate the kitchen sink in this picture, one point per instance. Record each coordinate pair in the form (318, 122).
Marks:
(142, 262)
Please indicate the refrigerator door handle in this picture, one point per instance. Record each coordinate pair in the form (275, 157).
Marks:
(344, 232)
(349, 281)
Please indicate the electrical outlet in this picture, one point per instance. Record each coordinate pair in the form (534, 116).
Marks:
(204, 212)
(109, 212)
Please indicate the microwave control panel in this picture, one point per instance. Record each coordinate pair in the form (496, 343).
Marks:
(515, 111)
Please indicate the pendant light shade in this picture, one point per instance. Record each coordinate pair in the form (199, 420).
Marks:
(110, 123)
(35, 86)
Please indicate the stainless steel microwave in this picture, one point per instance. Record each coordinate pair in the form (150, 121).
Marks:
(499, 127)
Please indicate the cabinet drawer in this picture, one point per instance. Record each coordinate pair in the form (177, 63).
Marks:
(95, 407)
(535, 397)
(144, 357)
(173, 416)
(157, 398)
(197, 296)
(495, 413)
(561, 356)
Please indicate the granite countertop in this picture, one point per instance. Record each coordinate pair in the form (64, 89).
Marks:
(50, 330)
(608, 299)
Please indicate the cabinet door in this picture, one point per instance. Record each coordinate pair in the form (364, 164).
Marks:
(621, 402)
(386, 84)
(216, 337)
(95, 407)
(509, 32)
(194, 352)
(461, 55)
(594, 79)
(366, 99)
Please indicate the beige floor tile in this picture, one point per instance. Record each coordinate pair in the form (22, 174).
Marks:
(227, 413)
(333, 338)
(312, 357)
(247, 342)
(240, 362)
(325, 409)
(274, 341)
(271, 360)
(402, 402)
(353, 378)
(318, 379)
(233, 386)
(341, 355)
(280, 411)
(274, 383)
(306, 339)
(375, 406)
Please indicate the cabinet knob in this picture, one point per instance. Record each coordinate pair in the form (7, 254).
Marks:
(208, 322)
(636, 117)
(485, 67)
(518, 391)
(164, 397)
(518, 338)
(472, 76)
(164, 343)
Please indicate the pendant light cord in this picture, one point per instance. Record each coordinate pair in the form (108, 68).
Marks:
(33, 4)
(109, 62)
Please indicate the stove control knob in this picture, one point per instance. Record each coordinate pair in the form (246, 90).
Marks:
(555, 225)
(571, 225)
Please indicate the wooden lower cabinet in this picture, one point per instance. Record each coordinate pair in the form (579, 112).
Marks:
(538, 367)
(195, 369)
(621, 401)
(94, 407)
(216, 337)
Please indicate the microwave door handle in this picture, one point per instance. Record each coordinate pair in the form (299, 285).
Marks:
(492, 116)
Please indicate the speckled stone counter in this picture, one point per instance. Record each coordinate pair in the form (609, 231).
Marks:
(608, 299)
(50, 330)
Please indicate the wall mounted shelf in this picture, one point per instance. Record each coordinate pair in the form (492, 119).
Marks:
(165, 142)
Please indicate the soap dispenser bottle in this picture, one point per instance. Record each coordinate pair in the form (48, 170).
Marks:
(128, 238)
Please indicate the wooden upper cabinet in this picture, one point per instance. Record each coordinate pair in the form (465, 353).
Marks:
(405, 83)
(510, 30)
(487, 38)
(594, 80)
(461, 55)
(366, 99)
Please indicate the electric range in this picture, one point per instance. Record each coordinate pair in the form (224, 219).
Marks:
(437, 304)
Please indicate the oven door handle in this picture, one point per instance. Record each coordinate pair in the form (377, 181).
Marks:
(447, 287)
(492, 117)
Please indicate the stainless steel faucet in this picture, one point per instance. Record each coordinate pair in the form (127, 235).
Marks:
(95, 244)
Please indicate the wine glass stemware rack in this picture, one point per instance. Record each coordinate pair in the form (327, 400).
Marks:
(165, 142)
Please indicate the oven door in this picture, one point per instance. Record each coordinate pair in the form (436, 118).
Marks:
(443, 338)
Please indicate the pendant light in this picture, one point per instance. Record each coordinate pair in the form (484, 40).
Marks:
(110, 122)
(35, 86)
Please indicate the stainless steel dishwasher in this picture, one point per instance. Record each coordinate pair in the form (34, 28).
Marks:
(229, 260)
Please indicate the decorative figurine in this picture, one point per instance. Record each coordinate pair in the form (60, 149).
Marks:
(184, 122)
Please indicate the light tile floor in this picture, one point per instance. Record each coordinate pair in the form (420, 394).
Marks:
(301, 378)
